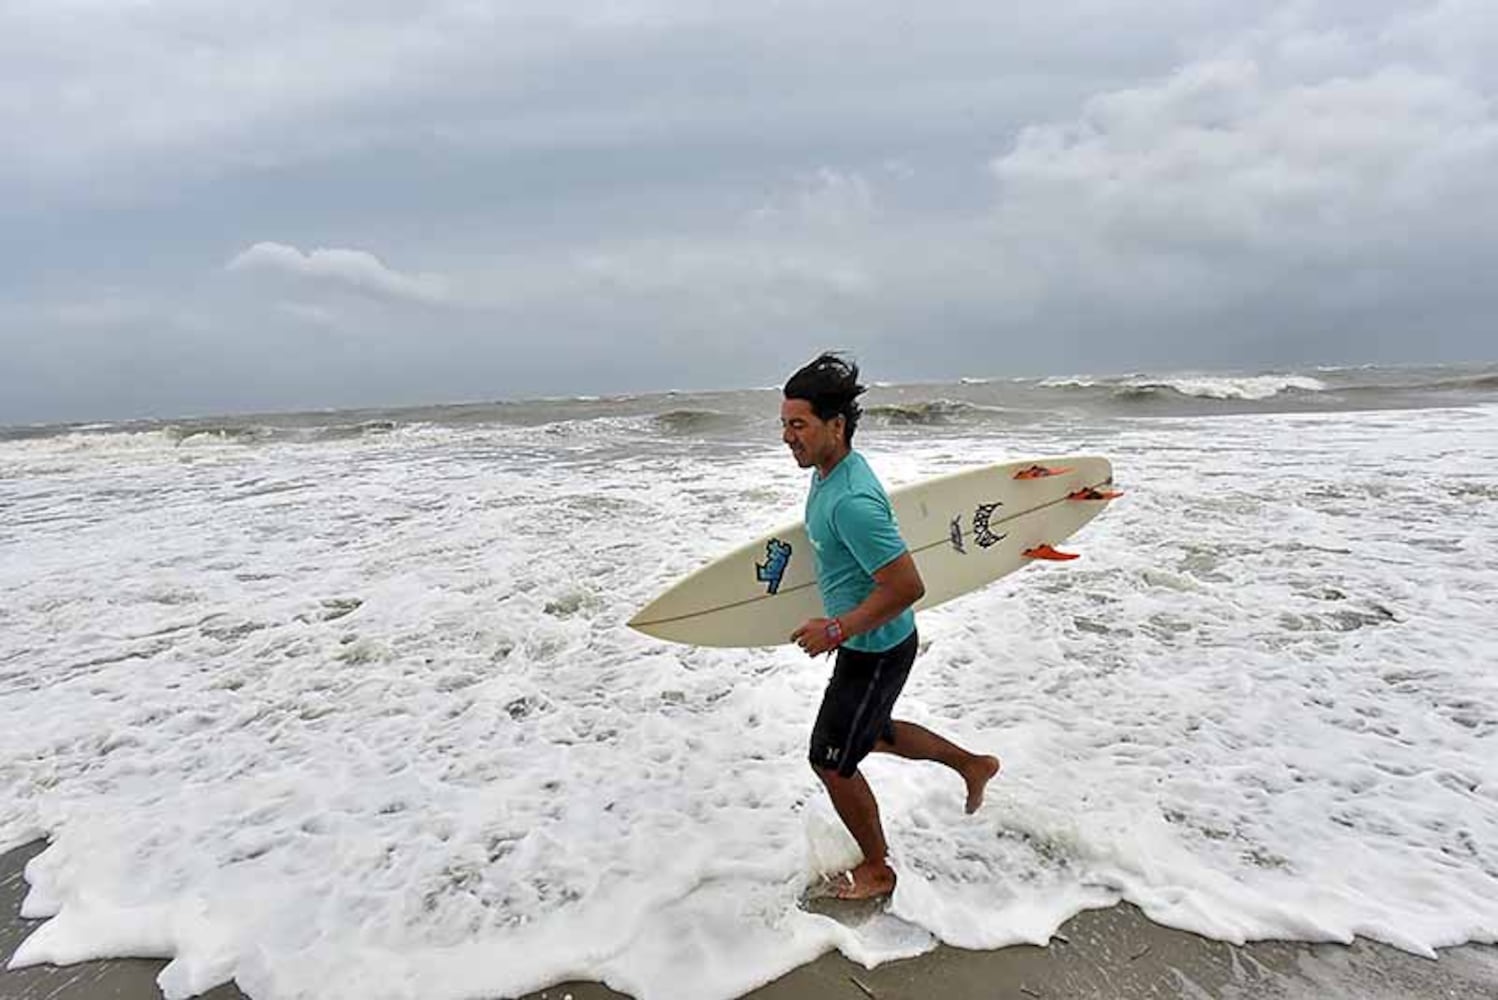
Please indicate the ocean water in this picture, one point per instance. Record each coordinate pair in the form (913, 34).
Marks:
(343, 705)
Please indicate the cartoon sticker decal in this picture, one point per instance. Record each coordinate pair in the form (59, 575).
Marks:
(772, 570)
(983, 533)
(956, 535)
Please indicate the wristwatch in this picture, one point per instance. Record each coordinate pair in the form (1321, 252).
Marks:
(835, 632)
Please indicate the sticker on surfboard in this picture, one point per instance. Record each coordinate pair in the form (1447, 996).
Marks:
(986, 536)
(772, 570)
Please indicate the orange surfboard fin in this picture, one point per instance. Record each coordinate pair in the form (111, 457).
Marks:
(1039, 472)
(1046, 552)
(1093, 493)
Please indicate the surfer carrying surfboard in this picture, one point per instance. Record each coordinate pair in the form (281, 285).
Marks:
(868, 583)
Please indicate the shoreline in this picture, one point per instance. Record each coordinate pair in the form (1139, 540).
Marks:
(1110, 954)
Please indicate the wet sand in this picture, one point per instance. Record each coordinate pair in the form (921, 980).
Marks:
(1113, 954)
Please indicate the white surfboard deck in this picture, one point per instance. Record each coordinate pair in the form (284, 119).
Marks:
(965, 530)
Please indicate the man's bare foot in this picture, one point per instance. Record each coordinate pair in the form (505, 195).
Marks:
(870, 880)
(977, 776)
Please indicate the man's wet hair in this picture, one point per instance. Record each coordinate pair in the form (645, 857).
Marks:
(830, 385)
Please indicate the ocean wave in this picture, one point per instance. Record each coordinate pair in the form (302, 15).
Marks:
(683, 422)
(34, 432)
(74, 442)
(693, 421)
(343, 432)
(926, 413)
(252, 434)
(587, 428)
(1140, 386)
(138, 437)
(1488, 380)
(1249, 387)
(1069, 382)
(220, 433)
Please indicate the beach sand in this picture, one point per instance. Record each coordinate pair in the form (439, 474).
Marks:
(1112, 954)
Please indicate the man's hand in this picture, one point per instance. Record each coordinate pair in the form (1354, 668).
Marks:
(818, 636)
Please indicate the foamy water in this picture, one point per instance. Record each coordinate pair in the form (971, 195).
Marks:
(359, 717)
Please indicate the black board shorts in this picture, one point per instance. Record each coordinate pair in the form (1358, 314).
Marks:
(856, 706)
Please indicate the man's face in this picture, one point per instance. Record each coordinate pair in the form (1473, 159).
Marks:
(811, 440)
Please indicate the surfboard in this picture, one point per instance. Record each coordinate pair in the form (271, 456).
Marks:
(965, 530)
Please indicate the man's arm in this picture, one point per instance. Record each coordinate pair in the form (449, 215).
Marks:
(897, 585)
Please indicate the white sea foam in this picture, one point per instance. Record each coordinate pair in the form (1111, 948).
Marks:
(361, 718)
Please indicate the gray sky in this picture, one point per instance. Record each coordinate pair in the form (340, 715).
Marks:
(211, 207)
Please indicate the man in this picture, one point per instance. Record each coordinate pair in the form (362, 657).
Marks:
(868, 583)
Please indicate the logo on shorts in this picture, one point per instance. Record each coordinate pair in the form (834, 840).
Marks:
(984, 534)
(772, 570)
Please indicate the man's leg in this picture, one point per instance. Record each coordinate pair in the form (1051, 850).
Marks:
(915, 742)
(859, 810)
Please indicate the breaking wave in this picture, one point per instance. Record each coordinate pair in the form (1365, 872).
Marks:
(694, 421)
(1254, 387)
(927, 413)
(1488, 381)
(224, 434)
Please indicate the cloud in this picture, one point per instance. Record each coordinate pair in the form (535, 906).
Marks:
(1219, 154)
(1291, 178)
(133, 97)
(672, 189)
(826, 198)
(104, 310)
(312, 314)
(352, 269)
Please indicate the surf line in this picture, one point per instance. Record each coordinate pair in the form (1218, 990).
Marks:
(915, 551)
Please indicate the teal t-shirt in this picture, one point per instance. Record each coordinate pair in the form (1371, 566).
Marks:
(854, 533)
